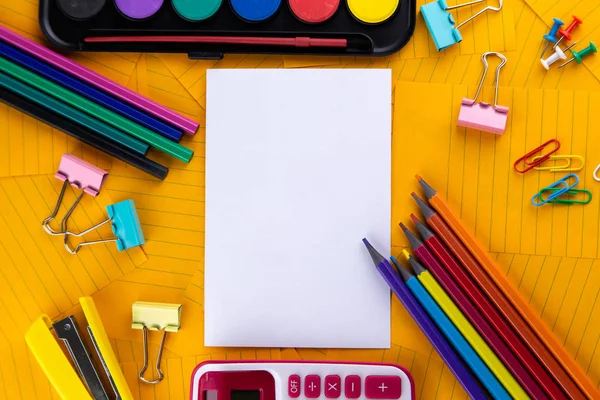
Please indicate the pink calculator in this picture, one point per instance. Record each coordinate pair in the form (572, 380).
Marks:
(286, 380)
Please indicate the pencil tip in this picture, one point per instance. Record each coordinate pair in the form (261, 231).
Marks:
(421, 227)
(412, 239)
(406, 255)
(429, 191)
(417, 267)
(418, 177)
(404, 273)
(425, 209)
(375, 255)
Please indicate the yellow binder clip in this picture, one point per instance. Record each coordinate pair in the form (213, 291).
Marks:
(97, 375)
(155, 317)
(563, 167)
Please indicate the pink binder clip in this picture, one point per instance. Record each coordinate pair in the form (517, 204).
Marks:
(80, 174)
(484, 116)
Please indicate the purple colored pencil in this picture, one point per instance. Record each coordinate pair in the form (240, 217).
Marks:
(450, 357)
(99, 81)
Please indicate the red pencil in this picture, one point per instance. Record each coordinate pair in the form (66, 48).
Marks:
(474, 316)
(502, 304)
(486, 308)
(245, 40)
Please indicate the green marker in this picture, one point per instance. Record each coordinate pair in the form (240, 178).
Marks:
(580, 55)
(71, 113)
(101, 113)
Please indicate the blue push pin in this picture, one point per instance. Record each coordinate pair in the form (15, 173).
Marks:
(551, 36)
(125, 224)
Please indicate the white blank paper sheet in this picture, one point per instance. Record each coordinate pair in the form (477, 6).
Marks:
(297, 173)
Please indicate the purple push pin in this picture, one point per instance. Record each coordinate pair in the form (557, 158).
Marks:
(139, 9)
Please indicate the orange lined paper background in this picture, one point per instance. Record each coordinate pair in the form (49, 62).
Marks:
(557, 276)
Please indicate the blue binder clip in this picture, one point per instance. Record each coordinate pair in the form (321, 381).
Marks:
(125, 224)
(441, 23)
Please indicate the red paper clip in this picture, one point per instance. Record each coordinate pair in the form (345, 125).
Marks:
(538, 160)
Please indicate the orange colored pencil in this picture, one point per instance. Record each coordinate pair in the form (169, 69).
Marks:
(522, 317)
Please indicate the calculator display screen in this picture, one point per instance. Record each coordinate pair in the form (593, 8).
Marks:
(245, 395)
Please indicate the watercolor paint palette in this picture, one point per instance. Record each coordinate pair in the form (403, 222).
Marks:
(211, 28)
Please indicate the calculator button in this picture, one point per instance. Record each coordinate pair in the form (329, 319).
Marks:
(352, 387)
(333, 386)
(383, 387)
(312, 386)
(294, 386)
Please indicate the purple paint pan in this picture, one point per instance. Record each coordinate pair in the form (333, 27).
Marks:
(138, 9)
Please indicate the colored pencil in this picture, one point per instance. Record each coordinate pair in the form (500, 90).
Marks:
(89, 92)
(491, 350)
(101, 113)
(511, 303)
(478, 367)
(301, 42)
(83, 134)
(50, 103)
(534, 372)
(426, 324)
(97, 80)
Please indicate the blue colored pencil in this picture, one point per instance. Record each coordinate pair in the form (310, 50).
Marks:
(446, 352)
(90, 92)
(479, 368)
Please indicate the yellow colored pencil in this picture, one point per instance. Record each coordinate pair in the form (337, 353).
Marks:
(468, 331)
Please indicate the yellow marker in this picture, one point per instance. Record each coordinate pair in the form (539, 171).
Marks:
(373, 11)
(472, 336)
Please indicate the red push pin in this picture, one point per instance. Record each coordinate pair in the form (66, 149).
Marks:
(567, 33)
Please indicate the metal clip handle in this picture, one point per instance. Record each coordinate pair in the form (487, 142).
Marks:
(51, 217)
(80, 245)
(463, 5)
(158, 357)
(477, 14)
(496, 80)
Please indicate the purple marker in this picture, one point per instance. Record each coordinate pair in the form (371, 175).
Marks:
(138, 9)
(452, 360)
(98, 81)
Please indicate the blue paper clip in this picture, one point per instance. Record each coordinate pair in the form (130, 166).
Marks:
(441, 23)
(125, 224)
(562, 186)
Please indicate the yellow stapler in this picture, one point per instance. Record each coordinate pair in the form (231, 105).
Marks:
(89, 375)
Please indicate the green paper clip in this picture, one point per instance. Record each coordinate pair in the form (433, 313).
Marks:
(568, 201)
